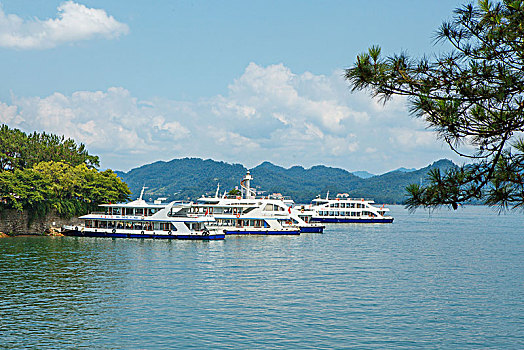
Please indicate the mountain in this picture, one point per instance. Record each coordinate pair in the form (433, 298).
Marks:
(363, 174)
(190, 178)
(405, 170)
(186, 178)
(390, 187)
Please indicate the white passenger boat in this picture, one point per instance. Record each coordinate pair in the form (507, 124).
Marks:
(249, 214)
(343, 209)
(139, 219)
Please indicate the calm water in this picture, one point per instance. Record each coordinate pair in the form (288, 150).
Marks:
(450, 280)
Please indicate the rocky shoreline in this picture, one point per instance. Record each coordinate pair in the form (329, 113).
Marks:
(50, 232)
(17, 223)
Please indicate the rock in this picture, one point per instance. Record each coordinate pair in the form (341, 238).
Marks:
(53, 231)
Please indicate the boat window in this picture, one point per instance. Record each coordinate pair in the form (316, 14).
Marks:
(247, 210)
(268, 207)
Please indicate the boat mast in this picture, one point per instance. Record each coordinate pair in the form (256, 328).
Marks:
(218, 189)
(142, 192)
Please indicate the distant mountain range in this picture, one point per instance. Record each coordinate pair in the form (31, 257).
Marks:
(363, 174)
(190, 178)
(366, 175)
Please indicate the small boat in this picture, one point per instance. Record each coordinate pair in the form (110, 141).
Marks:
(139, 219)
(346, 210)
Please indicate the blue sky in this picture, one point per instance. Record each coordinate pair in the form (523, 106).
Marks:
(238, 81)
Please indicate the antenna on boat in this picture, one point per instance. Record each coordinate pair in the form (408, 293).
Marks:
(218, 189)
(327, 195)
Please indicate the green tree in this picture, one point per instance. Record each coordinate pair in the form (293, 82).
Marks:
(473, 95)
(43, 171)
(12, 145)
(73, 190)
(234, 192)
(19, 150)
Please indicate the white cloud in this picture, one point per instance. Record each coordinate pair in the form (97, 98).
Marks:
(74, 22)
(9, 115)
(412, 138)
(269, 113)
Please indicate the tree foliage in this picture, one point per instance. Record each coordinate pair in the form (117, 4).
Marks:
(473, 97)
(42, 171)
(234, 192)
(19, 150)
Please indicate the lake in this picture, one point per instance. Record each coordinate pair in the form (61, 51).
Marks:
(450, 280)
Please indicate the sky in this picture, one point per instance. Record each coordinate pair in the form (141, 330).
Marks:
(235, 81)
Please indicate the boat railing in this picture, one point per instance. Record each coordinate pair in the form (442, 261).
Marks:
(362, 199)
(259, 197)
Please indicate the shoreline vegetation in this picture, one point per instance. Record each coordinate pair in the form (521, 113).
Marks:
(43, 174)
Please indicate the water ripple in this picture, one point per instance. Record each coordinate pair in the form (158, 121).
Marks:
(449, 280)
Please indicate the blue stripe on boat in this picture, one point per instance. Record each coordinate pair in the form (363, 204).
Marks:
(268, 232)
(308, 229)
(344, 220)
(135, 235)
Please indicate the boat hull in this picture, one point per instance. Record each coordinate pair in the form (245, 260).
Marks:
(261, 232)
(311, 229)
(353, 221)
(85, 233)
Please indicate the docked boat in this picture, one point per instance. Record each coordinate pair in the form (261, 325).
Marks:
(346, 210)
(248, 214)
(139, 219)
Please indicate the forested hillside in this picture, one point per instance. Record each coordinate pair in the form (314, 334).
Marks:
(190, 178)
